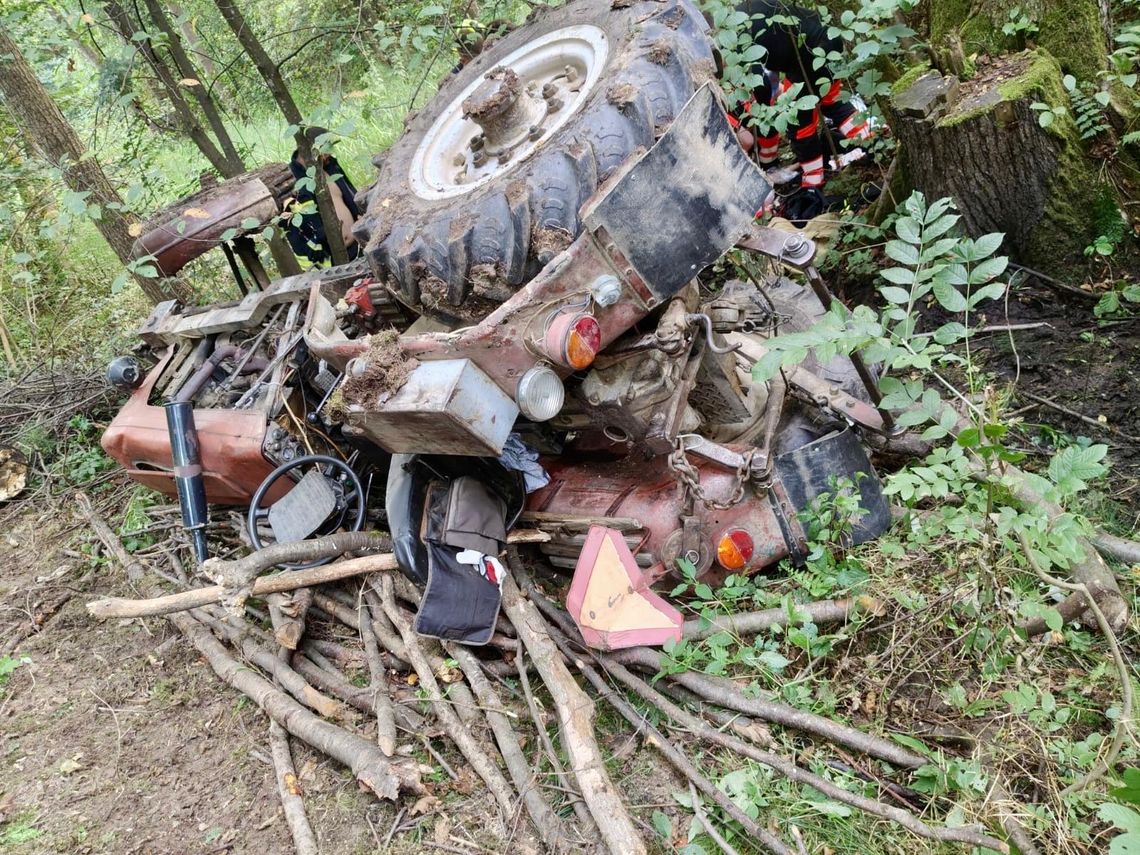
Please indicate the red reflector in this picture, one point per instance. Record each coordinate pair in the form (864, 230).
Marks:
(735, 549)
(574, 340)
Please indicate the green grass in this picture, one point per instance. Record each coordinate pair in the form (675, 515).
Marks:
(19, 829)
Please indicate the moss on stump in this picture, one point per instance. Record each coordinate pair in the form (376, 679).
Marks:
(1071, 30)
(981, 143)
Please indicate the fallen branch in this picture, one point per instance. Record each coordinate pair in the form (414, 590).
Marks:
(1123, 550)
(1124, 720)
(131, 565)
(1090, 571)
(378, 682)
(372, 769)
(238, 573)
(681, 762)
(290, 680)
(575, 715)
(725, 693)
(287, 612)
(1088, 420)
(304, 841)
(791, 771)
(484, 767)
(118, 607)
(710, 829)
(749, 623)
(550, 828)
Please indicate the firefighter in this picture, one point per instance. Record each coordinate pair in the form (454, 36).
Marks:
(789, 60)
(307, 239)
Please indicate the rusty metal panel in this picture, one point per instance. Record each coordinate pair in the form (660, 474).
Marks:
(232, 462)
(196, 225)
(445, 407)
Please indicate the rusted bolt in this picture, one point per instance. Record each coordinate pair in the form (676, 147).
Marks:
(571, 74)
(480, 158)
(554, 105)
(477, 142)
(459, 159)
(549, 91)
(535, 132)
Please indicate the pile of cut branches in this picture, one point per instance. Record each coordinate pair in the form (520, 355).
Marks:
(521, 712)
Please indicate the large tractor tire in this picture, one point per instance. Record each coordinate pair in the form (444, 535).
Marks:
(484, 187)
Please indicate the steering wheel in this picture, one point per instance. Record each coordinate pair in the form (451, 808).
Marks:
(350, 503)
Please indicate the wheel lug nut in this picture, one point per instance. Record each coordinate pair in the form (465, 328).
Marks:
(477, 142)
(554, 105)
(549, 91)
(459, 159)
(535, 132)
(480, 158)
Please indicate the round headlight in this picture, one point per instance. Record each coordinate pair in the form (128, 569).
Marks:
(540, 394)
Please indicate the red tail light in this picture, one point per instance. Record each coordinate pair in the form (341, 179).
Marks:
(734, 550)
(573, 340)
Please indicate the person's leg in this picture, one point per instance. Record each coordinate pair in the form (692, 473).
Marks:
(807, 148)
(768, 147)
(842, 114)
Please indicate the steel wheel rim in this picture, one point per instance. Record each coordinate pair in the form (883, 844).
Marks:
(445, 164)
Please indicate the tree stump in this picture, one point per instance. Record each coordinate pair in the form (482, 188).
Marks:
(980, 143)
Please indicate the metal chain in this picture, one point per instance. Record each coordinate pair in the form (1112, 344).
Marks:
(690, 479)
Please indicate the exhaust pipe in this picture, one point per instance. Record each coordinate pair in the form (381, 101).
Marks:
(185, 451)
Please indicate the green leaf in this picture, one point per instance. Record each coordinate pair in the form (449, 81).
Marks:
(21, 257)
(1120, 816)
(898, 275)
(774, 660)
(951, 298)
(988, 269)
(1072, 467)
(987, 245)
(903, 253)
(250, 223)
(912, 743)
(1130, 792)
(898, 296)
(908, 229)
(987, 292)
(830, 808)
(662, 825)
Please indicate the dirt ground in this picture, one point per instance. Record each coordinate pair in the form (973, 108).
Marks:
(116, 737)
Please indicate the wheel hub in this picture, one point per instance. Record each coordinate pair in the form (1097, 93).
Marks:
(500, 118)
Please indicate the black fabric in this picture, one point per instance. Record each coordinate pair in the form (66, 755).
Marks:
(459, 603)
(308, 238)
(804, 204)
(476, 517)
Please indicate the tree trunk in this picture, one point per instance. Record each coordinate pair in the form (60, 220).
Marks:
(1076, 32)
(48, 132)
(980, 143)
(189, 123)
(271, 74)
(205, 101)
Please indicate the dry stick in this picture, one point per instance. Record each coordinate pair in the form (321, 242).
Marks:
(460, 696)
(1088, 420)
(304, 841)
(727, 694)
(585, 818)
(1090, 571)
(750, 623)
(550, 828)
(575, 716)
(371, 768)
(482, 764)
(292, 611)
(709, 828)
(118, 607)
(1122, 549)
(1124, 720)
(793, 772)
(381, 703)
(680, 762)
(132, 566)
(235, 574)
(290, 680)
(1010, 824)
(741, 725)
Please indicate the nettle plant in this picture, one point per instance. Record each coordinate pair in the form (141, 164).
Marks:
(942, 390)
